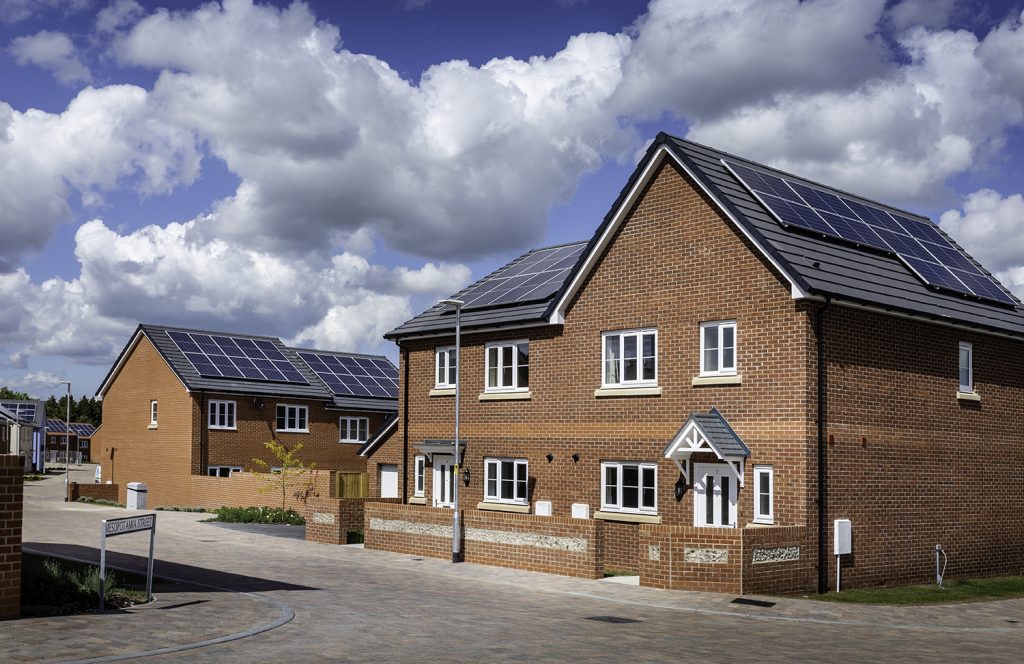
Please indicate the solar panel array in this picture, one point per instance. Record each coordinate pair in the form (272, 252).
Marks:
(24, 411)
(920, 245)
(354, 376)
(536, 276)
(56, 426)
(81, 429)
(236, 357)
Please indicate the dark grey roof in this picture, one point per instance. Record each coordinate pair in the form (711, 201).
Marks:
(718, 433)
(370, 446)
(38, 421)
(314, 389)
(441, 318)
(827, 267)
(350, 402)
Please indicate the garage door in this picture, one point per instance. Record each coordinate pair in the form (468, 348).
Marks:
(389, 480)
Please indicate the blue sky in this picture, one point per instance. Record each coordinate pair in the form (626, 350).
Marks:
(322, 171)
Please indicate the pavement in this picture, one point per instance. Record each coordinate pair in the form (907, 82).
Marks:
(230, 595)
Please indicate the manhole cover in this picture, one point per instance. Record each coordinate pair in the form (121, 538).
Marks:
(613, 619)
(416, 559)
(753, 602)
(1014, 622)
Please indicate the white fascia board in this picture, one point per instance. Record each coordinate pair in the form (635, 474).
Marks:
(558, 315)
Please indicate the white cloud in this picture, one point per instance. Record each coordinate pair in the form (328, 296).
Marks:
(52, 51)
(39, 384)
(13, 11)
(991, 228)
(118, 14)
(922, 13)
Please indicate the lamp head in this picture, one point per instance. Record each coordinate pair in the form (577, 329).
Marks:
(458, 304)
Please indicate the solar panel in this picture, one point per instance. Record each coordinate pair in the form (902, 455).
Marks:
(354, 376)
(24, 411)
(536, 276)
(235, 357)
(55, 426)
(925, 250)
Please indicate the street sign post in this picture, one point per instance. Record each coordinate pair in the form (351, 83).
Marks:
(131, 524)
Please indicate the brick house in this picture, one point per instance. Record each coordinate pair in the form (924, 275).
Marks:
(77, 438)
(649, 400)
(28, 431)
(183, 404)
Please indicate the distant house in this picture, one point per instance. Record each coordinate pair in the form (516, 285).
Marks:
(31, 431)
(736, 360)
(77, 437)
(179, 403)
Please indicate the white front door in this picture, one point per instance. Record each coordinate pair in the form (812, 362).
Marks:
(444, 480)
(714, 495)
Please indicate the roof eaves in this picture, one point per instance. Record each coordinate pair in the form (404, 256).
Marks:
(370, 446)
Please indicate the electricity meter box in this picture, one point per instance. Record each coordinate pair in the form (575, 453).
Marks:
(842, 536)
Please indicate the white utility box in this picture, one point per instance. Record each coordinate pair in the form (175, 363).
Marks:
(137, 493)
(580, 511)
(542, 508)
(842, 536)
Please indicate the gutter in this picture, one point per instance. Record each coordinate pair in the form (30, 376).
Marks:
(819, 331)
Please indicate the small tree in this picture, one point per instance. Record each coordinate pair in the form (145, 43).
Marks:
(291, 467)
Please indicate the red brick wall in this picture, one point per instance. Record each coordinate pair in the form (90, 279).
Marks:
(664, 562)
(493, 538)
(95, 491)
(329, 520)
(256, 490)
(11, 496)
(621, 546)
(781, 576)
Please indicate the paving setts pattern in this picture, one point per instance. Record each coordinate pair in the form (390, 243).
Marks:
(352, 604)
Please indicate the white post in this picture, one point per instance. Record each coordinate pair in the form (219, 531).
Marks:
(67, 453)
(456, 520)
(838, 557)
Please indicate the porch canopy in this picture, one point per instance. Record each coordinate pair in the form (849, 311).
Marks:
(429, 448)
(708, 432)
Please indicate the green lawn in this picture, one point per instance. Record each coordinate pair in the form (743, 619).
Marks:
(972, 590)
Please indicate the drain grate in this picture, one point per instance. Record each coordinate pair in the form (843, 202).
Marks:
(419, 560)
(753, 602)
(619, 620)
(1012, 622)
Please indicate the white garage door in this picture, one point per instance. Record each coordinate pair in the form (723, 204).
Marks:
(389, 480)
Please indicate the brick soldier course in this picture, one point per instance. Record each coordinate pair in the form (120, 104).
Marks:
(911, 459)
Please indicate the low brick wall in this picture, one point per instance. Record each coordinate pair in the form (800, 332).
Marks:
(94, 491)
(778, 560)
(330, 519)
(556, 545)
(11, 504)
(621, 546)
(256, 490)
(688, 558)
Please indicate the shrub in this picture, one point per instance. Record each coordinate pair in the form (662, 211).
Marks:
(354, 537)
(53, 586)
(180, 509)
(272, 515)
(98, 501)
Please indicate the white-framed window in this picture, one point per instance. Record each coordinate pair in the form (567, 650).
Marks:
(505, 481)
(714, 496)
(152, 413)
(508, 366)
(966, 367)
(764, 494)
(445, 369)
(221, 415)
(419, 464)
(353, 429)
(222, 471)
(630, 357)
(718, 348)
(292, 418)
(629, 487)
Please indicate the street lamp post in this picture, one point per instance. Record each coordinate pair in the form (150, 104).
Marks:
(67, 442)
(456, 521)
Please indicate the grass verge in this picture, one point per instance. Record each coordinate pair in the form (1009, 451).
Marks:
(180, 509)
(32, 477)
(969, 590)
(58, 587)
(271, 515)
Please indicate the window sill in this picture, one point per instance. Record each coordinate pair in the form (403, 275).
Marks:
(291, 431)
(506, 396)
(442, 392)
(606, 392)
(627, 517)
(735, 379)
(351, 442)
(503, 507)
(968, 396)
(760, 523)
(152, 426)
(221, 428)
(418, 500)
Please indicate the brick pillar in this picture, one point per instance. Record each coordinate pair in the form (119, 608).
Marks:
(10, 536)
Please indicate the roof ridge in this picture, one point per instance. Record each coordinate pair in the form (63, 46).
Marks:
(222, 333)
(299, 349)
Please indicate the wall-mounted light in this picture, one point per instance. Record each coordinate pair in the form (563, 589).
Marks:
(680, 489)
(258, 402)
(465, 476)
(550, 457)
(575, 457)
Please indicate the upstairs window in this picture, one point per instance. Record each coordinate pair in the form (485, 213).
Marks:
(292, 418)
(630, 358)
(353, 429)
(152, 413)
(508, 366)
(966, 367)
(629, 487)
(505, 481)
(718, 348)
(445, 368)
(221, 415)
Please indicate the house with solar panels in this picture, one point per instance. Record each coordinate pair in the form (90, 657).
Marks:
(736, 361)
(75, 437)
(180, 403)
(29, 431)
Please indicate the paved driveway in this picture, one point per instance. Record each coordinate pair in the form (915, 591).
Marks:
(256, 598)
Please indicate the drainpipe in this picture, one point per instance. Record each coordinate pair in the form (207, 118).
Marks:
(819, 331)
(204, 423)
(405, 427)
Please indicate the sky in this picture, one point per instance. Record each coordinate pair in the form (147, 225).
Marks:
(322, 171)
